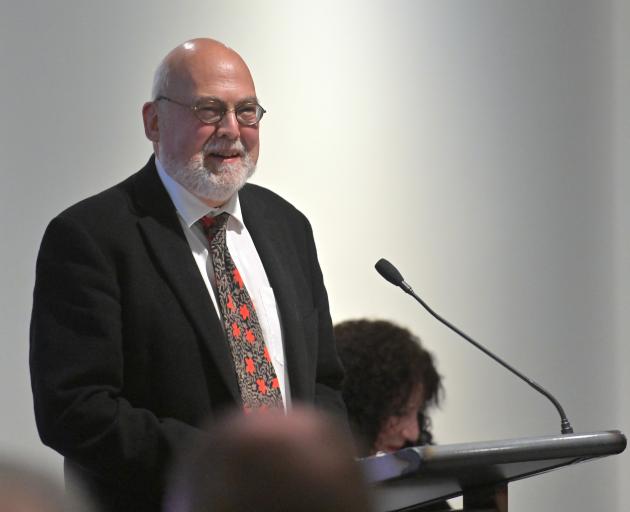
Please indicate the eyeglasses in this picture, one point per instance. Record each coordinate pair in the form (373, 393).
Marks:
(212, 111)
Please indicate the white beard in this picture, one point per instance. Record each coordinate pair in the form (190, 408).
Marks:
(215, 185)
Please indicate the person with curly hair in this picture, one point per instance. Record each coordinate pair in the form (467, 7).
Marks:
(390, 382)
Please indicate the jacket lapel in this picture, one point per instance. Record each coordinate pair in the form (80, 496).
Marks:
(162, 231)
(271, 245)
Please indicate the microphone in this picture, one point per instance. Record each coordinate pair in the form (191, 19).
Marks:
(391, 274)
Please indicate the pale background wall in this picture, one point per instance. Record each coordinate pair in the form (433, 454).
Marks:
(621, 251)
(481, 146)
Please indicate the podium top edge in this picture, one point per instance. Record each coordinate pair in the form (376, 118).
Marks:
(577, 446)
(583, 445)
(610, 439)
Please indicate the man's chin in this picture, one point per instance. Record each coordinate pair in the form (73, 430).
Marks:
(218, 164)
(221, 187)
(213, 184)
(217, 195)
(236, 171)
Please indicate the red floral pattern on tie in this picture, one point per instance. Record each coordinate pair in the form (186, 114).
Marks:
(230, 304)
(262, 386)
(256, 376)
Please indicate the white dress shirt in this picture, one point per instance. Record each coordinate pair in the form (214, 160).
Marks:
(243, 251)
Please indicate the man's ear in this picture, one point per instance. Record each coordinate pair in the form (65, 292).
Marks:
(150, 119)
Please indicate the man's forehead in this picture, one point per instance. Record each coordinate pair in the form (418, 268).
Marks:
(215, 76)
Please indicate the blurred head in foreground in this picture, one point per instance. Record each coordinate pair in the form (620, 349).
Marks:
(390, 383)
(270, 462)
(24, 489)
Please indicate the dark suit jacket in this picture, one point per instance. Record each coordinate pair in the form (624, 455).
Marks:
(128, 356)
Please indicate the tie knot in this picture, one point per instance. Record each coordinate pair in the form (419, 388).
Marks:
(212, 225)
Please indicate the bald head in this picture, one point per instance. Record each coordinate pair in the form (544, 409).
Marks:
(189, 64)
(203, 119)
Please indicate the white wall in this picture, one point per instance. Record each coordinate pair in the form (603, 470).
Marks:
(622, 236)
(478, 145)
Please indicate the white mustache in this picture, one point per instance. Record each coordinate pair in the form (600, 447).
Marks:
(222, 147)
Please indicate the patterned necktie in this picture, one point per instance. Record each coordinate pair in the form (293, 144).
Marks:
(257, 378)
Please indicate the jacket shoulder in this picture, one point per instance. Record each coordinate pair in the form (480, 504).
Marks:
(255, 197)
(119, 201)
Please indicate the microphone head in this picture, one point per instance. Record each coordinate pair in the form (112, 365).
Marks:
(389, 272)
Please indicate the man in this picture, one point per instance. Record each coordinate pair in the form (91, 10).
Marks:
(270, 463)
(132, 342)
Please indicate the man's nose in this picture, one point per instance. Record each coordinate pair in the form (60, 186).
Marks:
(228, 126)
(411, 429)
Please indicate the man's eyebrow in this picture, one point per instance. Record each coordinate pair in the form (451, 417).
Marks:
(209, 99)
(250, 99)
(215, 99)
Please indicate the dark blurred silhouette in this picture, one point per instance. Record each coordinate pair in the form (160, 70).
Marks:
(270, 462)
(26, 489)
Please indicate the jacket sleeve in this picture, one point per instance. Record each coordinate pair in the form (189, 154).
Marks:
(77, 369)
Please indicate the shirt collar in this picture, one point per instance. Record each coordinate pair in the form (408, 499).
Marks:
(189, 207)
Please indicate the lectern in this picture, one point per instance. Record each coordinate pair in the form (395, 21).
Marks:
(416, 477)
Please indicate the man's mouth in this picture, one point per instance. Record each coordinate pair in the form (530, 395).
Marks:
(225, 155)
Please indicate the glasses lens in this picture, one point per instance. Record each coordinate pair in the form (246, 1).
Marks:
(249, 114)
(209, 113)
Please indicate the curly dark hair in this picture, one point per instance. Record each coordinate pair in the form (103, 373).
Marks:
(384, 363)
